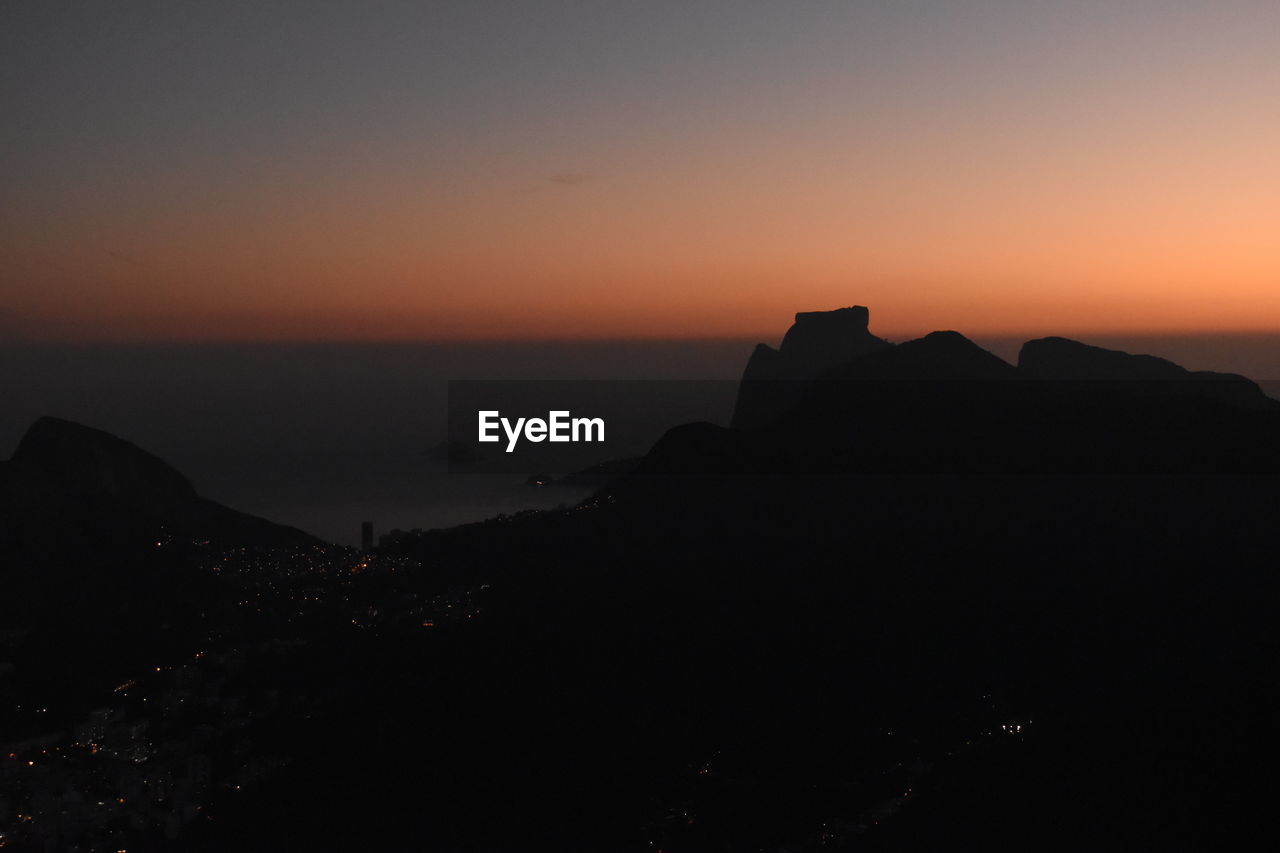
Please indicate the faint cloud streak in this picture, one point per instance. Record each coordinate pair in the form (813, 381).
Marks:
(568, 180)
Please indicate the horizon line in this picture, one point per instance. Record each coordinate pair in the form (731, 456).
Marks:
(894, 335)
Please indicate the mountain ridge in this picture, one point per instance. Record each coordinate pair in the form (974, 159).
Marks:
(64, 476)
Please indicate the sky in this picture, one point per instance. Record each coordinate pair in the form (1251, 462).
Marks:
(495, 170)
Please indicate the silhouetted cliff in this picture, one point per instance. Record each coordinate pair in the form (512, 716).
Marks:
(943, 404)
(817, 341)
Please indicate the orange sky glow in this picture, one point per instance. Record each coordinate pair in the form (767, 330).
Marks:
(1117, 176)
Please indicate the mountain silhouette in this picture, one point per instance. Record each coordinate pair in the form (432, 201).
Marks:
(104, 553)
(942, 404)
(928, 600)
(1063, 359)
(816, 342)
(904, 551)
(938, 355)
(64, 477)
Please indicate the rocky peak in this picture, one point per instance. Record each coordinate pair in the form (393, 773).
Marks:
(819, 340)
(80, 460)
(816, 342)
(943, 355)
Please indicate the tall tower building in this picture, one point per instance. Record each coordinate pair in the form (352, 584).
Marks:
(366, 536)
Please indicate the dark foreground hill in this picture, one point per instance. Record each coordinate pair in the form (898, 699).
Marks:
(927, 600)
(99, 543)
(934, 601)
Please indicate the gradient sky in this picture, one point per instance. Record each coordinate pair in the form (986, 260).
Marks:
(534, 169)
